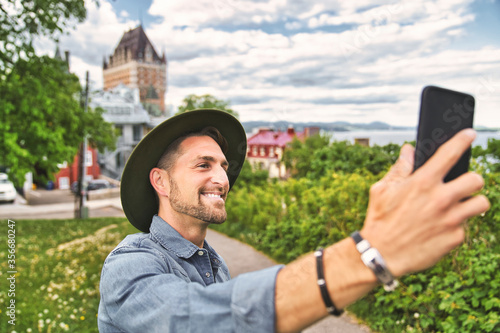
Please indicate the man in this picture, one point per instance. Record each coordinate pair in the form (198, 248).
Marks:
(168, 279)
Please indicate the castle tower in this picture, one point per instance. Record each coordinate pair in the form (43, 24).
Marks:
(136, 64)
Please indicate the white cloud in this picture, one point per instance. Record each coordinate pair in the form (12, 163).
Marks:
(178, 13)
(306, 60)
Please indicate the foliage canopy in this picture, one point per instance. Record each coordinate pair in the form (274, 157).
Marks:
(193, 102)
(317, 155)
(22, 21)
(42, 122)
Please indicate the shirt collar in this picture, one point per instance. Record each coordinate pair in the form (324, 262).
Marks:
(171, 240)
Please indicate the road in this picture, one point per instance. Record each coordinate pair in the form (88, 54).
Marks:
(230, 249)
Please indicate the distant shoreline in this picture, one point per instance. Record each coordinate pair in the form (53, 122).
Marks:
(384, 137)
(252, 127)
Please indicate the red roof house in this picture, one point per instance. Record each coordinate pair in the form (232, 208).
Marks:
(266, 147)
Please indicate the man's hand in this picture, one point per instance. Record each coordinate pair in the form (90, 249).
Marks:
(415, 219)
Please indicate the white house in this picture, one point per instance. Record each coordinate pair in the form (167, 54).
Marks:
(125, 111)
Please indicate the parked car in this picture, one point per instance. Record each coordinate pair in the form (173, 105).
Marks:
(97, 184)
(7, 190)
(94, 184)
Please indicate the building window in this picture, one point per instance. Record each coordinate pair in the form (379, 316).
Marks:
(118, 160)
(271, 151)
(262, 151)
(137, 132)
(254, 150)
(278, 152)
(88, 158)
(63, 183)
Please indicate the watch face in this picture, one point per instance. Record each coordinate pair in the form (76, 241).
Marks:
(376, 263)
(370, 257)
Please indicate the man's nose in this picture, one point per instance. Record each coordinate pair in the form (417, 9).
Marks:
(220, 177)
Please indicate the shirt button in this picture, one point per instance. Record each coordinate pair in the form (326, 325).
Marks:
(200, 253)
(207, 274)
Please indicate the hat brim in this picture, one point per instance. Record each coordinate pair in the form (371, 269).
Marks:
(138, 197)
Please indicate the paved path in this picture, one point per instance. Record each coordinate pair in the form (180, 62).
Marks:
(230, 249)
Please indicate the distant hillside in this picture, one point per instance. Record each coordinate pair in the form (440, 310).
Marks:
(339, 126)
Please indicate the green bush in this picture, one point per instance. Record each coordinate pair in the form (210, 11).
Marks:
(489, 156)
(318, 155)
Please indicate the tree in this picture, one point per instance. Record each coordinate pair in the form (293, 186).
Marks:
(22, 21)
(317, 155)
(490, 156)
(192, 102)
(41, 120)
(297, 156)
(249, 177)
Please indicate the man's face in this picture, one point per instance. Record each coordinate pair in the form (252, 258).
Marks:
(198, 180)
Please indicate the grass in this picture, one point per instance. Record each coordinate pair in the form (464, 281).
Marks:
(58, 264)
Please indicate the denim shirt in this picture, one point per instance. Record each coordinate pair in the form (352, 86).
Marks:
(161, 282)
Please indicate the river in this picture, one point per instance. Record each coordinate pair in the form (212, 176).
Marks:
(384, 137)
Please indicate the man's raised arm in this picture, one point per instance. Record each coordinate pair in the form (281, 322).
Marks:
(413, 219)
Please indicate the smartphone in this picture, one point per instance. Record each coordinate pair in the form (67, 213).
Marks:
(443, 113)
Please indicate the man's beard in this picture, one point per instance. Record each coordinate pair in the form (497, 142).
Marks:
(199, 211)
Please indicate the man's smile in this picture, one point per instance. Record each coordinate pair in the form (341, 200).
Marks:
(214, 195)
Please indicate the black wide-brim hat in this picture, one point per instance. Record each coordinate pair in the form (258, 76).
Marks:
(138, 197)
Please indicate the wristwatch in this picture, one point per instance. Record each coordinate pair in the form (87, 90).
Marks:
(373, 260)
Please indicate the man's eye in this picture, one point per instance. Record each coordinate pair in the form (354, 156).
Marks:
(204, 165)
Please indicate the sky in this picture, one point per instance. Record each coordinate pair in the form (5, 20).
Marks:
(307, 60)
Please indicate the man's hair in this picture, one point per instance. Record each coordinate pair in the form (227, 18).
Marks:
(173, 150)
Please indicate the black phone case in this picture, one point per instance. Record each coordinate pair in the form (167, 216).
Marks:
(443, 113)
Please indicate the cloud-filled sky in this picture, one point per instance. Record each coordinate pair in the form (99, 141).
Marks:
(357, 61)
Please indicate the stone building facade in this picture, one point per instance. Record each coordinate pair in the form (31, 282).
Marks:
(136, 64)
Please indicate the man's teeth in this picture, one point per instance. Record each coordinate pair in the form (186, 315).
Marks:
(210, 195)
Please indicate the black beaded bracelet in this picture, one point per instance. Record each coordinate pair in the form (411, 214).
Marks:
(330, 307)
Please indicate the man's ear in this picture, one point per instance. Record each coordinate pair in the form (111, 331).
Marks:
(160, 182)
